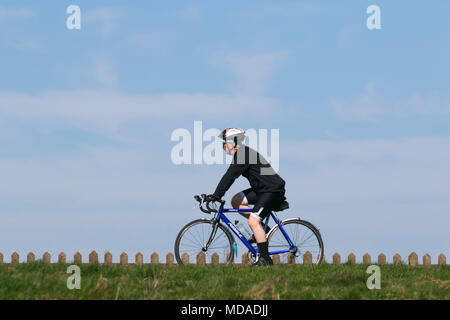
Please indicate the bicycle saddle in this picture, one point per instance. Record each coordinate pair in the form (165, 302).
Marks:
(283, 206)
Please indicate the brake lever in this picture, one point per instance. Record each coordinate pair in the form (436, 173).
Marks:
(202, 200)
(197, 198)
(209, 208)
(203, 209)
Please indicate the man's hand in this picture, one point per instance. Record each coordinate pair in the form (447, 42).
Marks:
(212, 197)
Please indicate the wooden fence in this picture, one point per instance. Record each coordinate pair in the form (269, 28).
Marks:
(413, 259)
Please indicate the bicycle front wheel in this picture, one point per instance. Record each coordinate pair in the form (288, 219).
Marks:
(193, 239)
(303, 235)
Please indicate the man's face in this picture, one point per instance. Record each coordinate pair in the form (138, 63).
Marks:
(229, 148)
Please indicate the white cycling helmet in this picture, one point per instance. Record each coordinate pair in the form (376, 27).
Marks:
(232, 134)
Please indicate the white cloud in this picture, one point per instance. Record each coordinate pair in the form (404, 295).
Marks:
(385, 169)
(121, 181)
(105, 111)
(370, 105)
(295, 11)
(430, 103)
(31, 45)
(252, 71)
(105, 75)
(104, 14)
(157, 40)
(189, 14)
(94, 177)
(106, 17)
(292, 9)
(11, 40)
(16, 13)
(365, 106)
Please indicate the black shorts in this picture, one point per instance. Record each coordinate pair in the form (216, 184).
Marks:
(263, 203)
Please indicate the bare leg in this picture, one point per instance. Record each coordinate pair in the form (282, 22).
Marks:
(258, 231)
(244, 214)
(255, 224)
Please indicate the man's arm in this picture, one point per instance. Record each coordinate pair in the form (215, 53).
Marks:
(233, 172)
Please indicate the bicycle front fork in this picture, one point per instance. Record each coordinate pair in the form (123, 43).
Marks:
(212, 235)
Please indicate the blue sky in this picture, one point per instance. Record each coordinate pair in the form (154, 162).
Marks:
(86, 118)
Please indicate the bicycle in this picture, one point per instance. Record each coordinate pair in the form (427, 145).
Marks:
(289, 238)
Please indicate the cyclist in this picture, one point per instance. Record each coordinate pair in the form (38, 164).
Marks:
(267, 187)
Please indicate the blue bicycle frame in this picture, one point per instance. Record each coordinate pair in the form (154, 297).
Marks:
(221, 216)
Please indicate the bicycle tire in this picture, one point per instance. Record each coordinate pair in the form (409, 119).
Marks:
(317, 254)
(229, 254)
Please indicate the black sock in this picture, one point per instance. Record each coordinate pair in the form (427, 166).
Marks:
(263, 249)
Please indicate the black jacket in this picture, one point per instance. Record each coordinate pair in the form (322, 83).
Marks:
(250, 164)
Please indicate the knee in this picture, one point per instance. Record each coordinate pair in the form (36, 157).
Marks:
(253, 222)
(236, 201)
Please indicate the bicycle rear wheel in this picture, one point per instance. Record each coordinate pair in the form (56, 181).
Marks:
(193, 237)
(304, 236)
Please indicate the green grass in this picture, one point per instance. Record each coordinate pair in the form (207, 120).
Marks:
(41, 281)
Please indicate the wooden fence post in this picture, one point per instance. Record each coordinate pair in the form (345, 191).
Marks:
(123, 259)
(154, 258)
(442, 260)
(108, 258)
(185, 258)
(1, 257)
(291, 258)
(30, 257)
(169, 259)
(62, 257)
(307, 258)
(201, 259)
(276, 259)
(15, 257)
(214, 258)
(351, 258)
(77, 258)
(412, 259)
(336, 258)
(245, 261)
(46, 257)
(426, 260)
(397, 259)
(139, 259)
(93, 257)
(381, 259)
